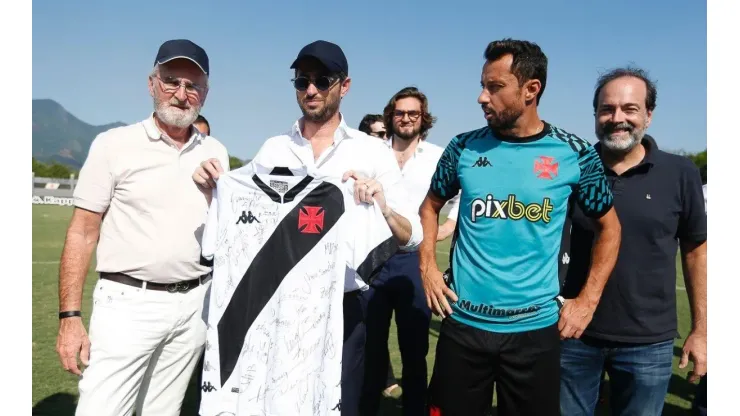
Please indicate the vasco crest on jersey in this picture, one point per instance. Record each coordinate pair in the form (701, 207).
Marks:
(311, 219)
(545, 167)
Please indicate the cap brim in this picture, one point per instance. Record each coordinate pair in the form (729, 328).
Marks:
(172, 58)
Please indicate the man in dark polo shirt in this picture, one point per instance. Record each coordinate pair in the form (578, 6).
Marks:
(658, 198)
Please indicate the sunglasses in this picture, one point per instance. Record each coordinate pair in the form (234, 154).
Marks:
(380, 134)
(321, 83)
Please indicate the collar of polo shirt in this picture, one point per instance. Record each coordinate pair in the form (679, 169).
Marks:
(155, 133)
(648, 142)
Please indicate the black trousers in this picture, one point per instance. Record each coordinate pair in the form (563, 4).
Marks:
(398, 289)
(353, 352)
(524, 366)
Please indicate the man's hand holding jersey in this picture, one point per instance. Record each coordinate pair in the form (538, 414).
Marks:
(206, 175)
(371, 191)
(368, 190)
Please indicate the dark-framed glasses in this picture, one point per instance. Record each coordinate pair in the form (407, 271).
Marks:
(413, 114)
(321, 83)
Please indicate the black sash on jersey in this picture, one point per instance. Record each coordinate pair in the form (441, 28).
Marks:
(280, 254)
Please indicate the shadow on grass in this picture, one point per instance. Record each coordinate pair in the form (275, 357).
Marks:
(65, 404)
(677, 351)
(59, 404)
(680, 386)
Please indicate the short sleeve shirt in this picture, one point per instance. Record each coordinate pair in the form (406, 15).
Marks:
(514, 200)
(154, 213)
(659, 203)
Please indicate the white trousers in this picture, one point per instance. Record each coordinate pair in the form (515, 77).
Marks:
(145, 345)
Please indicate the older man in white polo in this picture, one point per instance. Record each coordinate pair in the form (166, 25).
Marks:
(136, 200)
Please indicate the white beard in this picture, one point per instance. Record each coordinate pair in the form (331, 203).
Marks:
(621, 145)
(174, 116)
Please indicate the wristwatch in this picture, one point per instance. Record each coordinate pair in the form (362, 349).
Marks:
(69, 314)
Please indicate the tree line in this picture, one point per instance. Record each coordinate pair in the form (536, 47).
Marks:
(700, 160)
(53, 170)
(58, 170)
(61, 171)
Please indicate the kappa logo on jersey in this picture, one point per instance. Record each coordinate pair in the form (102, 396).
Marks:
(510, 208)
(246, 218)
(208, 387)
(544, 167)
(482, 162)
(310, 219)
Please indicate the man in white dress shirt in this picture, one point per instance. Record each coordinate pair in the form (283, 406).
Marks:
(398, 287)
(322, 142)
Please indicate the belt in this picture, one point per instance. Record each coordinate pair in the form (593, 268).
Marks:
(181, 287)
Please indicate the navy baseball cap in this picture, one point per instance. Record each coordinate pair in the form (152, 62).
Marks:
(182, 49)
(330, 55)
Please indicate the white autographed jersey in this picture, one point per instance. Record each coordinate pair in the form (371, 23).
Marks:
(283, 247)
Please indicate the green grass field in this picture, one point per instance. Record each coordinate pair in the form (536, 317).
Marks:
(55, 391)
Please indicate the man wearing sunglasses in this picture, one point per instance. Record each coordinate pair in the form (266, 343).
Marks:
(373, 125)
(322, 142)
(135, 200)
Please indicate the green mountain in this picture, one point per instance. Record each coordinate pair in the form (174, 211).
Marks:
(58, 136)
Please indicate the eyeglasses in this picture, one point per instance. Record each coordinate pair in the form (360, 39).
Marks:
(413, 114)
(379, 134)
(172, 85)
(321, 83)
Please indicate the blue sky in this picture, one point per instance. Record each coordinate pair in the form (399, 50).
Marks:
(93, 57)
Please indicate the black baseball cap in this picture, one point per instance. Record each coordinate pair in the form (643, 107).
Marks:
(183, 49)
(329, 54)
